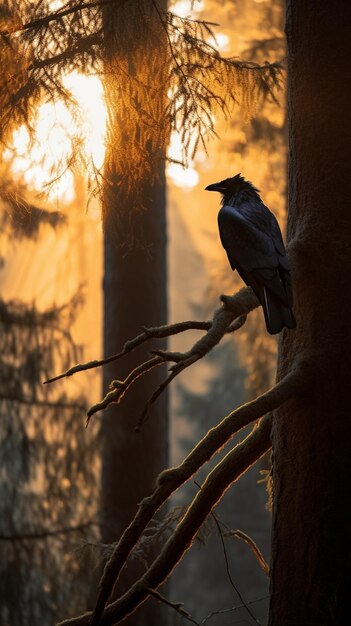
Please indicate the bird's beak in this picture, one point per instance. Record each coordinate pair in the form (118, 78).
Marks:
(214, 187)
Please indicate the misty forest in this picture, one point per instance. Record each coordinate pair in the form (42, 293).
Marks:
(174, 408)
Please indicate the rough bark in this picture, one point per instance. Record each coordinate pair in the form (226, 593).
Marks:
(311, 561)
(134, 285)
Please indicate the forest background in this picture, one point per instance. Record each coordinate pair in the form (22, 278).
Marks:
(51, 281)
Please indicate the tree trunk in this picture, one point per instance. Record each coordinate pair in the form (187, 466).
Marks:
(135, 276)
(311, 561)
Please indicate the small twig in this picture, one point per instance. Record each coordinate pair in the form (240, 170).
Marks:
(254, 547)
(216, 521)
(229, 573)
(177, 606)
(233, 608)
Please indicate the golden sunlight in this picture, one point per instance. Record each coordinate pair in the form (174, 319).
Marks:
(185, 8)
(44, 160)
(179, 175)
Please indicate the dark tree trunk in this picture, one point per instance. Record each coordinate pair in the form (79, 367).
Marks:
(311, 560)
(135, 269)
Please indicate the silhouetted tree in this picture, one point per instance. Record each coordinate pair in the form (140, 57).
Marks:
(311, 558)
(48, 475)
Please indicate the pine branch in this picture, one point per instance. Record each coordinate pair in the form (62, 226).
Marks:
(200, 80)
(56, 16)
(67, 55)
(173, 478)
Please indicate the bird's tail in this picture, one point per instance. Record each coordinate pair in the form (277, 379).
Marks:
(276, 314)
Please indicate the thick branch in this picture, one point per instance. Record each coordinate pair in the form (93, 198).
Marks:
(222, 476)
(173, 478)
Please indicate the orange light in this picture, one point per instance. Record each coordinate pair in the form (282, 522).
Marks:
(43, 160)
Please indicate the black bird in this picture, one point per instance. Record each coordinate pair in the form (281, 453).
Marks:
(251, 237)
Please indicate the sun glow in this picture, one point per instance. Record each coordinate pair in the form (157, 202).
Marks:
(44, 160)
(186, 8)
(180, 175)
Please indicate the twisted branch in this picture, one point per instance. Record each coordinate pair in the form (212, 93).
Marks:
(227, 319)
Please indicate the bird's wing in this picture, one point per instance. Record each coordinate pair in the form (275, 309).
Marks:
(278, 242)
(255, 248)
(246, 245)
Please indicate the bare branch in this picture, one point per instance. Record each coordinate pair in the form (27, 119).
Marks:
(119, 387)
(227, 319)
(234, 307)
(156, 332)
(184, 360)
(172, 479)
(220, 478)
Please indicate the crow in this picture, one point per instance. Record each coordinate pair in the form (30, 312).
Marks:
(251, 237)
